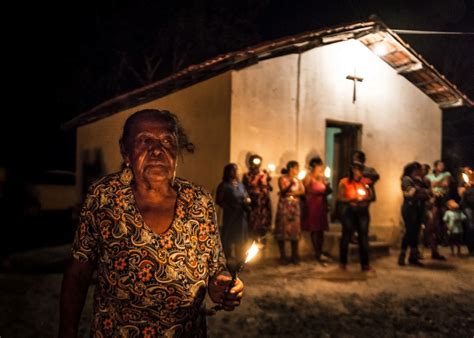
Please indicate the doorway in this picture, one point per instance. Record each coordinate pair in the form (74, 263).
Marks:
(342, 138)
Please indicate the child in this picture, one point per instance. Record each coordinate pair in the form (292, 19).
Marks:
(454, 219)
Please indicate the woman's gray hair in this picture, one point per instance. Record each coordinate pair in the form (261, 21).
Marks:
(157, 115)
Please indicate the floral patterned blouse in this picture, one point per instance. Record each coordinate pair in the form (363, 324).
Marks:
(149, 284)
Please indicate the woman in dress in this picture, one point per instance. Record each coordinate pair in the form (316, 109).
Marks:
(234, 200)
(152, 239)
(257, 184)
(288, 217)
(316, 220)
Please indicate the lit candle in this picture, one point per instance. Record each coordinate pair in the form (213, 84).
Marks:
(327, 172)
(252, 252)
(361, 192)
(256, 161)
(465, 177)
(271, 167)
(301, 174)
(236, 267)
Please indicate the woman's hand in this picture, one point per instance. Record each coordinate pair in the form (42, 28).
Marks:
(218, 288)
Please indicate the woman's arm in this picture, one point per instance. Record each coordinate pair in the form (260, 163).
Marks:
(284, 185)
(74, 289)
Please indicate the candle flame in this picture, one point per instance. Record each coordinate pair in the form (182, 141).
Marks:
(251, 252)
(465, 177)
(301, 174)
(361, 192)
(271, 167)
(327, 172)
(256, 161)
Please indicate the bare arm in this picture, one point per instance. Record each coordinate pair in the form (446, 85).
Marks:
(341, 192)
(284, 186)
(74, 289)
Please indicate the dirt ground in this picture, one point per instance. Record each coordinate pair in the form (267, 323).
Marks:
(282, 301)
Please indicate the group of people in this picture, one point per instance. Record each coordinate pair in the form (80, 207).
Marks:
(153, 240)
(431, 201)
(302, 206)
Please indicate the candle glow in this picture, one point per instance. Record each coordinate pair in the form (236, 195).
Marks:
(361, 192)
(256, 161)
(465, 178)
(271, 167)
(252, 252)
(327, 172)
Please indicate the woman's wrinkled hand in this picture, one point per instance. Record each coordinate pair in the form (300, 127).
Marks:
(220, 293)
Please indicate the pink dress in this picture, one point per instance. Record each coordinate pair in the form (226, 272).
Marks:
(316, 217)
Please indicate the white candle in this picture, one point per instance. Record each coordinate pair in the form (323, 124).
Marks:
(465, 178)
(301, 174)
(327, 172)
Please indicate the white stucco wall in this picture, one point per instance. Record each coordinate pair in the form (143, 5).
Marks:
(204, 111)
(263, 118)
(400, 123)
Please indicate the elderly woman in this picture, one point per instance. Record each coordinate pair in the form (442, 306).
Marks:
(152, 239)
(288, 216)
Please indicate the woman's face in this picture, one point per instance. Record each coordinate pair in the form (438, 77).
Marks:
(294, 170)
(319, 169)
(234, 173)
(151, 151)
(440, 166)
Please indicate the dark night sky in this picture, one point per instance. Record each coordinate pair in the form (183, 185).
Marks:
(75, 55)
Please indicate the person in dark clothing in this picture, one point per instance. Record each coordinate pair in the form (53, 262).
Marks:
(355, 197)
(232, 197)
(414, 197)
(370, 176)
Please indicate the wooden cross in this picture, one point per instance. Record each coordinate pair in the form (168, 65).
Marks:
(355, 79)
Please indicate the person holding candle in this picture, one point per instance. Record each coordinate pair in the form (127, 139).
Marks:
(355, 197)
(316, 221)
(288, 216)
(257, 184)
(153, 240)
(232, 197)
(370, 176)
